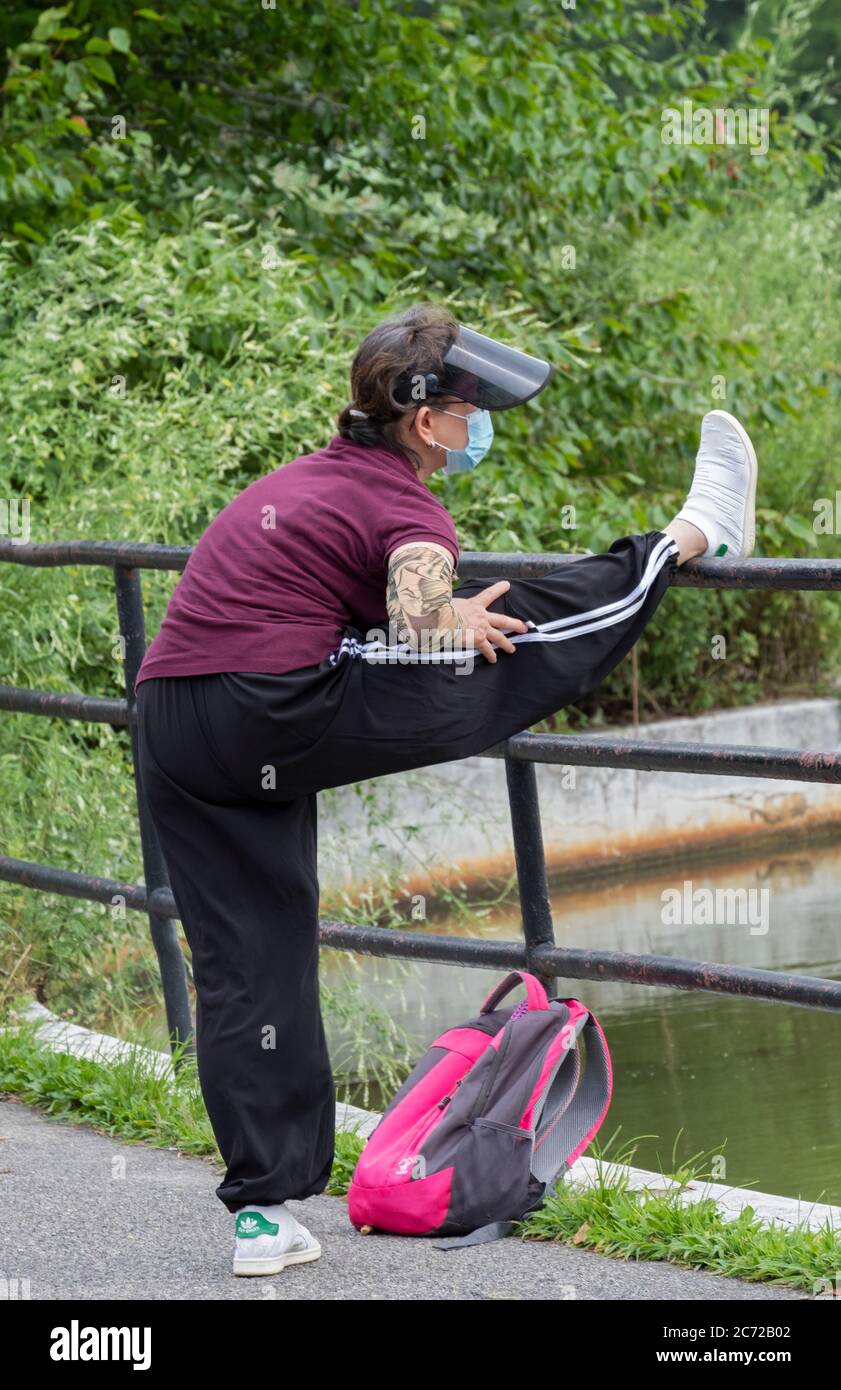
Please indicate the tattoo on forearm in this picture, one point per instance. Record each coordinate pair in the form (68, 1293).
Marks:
(419, 595)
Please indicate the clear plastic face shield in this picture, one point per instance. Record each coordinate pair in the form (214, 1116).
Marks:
(482, 371)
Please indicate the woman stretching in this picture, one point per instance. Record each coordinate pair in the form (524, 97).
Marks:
(313, 641)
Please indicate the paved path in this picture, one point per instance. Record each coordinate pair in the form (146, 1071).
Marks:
(77, 1228)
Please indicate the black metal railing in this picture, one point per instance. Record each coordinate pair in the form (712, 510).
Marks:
(537, 952)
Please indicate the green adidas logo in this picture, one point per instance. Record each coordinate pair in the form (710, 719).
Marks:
(253, 1223)
(722, 549)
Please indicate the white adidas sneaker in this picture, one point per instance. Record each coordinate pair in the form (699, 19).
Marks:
(722, 499)
(270, 1238)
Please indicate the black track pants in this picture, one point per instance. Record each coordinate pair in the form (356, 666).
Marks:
(231, 765)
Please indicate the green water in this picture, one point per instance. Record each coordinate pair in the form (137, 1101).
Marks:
(757, 1083)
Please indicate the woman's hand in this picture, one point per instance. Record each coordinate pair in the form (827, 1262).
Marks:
(483, 629)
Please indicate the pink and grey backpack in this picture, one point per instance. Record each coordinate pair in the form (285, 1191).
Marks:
(487, 1123)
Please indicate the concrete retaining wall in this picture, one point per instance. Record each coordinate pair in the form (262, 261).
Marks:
(450, 823)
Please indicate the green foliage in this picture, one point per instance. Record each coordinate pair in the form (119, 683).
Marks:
(509, 124)
(611, 1218)
(631, 1225)
(806, 35)
(131, 1098)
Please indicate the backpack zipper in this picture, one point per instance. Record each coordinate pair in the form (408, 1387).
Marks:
(445, 1100)
(492, 1071)
(441, 1104)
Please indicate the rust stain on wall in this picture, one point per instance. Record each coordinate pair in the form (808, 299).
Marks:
(790, 823)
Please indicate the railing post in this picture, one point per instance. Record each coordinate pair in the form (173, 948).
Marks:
(164, 930)
(524, 805)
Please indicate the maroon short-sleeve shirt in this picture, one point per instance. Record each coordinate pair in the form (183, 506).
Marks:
(292, 559)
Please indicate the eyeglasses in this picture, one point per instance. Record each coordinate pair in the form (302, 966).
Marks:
(441, 411)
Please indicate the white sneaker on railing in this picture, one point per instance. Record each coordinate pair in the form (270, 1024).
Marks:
(722, 499)
(270, 1238)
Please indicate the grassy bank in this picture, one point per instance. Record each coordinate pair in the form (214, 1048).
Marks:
(128, 1100)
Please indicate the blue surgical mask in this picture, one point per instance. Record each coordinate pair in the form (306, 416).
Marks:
(480, 433)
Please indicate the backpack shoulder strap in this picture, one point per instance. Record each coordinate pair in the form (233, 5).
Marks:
(573, 1113)
(482, 1234)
